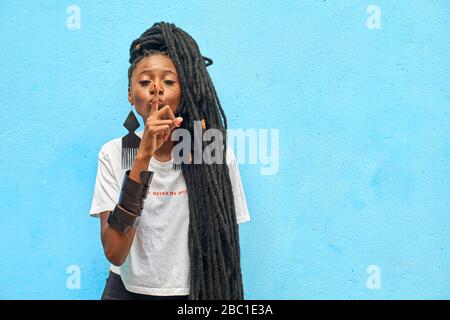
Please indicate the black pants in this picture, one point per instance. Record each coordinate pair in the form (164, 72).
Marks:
(115, 290)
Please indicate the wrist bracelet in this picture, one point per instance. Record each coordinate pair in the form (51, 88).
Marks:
(130, 204)
(135, 189)
(122, 220)
(146, 177)
(128, 210)
(133, 194)
(118, 225)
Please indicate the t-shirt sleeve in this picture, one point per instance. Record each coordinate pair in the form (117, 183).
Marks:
(106, 190)
(240, 203)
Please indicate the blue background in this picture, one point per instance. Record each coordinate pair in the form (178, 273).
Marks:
(364, 140)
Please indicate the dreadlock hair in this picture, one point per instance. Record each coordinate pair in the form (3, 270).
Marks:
(213, 237)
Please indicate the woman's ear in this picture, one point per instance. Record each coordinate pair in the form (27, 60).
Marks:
(130, 97)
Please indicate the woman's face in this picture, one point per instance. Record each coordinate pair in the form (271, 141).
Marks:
(153, 77)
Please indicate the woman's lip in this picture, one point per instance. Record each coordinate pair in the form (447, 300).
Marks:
(160, 105)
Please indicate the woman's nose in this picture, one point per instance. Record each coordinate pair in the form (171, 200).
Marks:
(156, 88)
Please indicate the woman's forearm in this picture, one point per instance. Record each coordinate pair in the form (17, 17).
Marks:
(116, 244)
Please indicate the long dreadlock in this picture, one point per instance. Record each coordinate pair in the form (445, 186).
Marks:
(213, 237)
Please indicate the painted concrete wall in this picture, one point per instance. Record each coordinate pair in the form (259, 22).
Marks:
(359, 93)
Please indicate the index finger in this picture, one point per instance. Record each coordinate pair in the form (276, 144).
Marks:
(167, 112)
(154, 105)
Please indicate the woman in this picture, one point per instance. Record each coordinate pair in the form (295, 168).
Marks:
(181, 240)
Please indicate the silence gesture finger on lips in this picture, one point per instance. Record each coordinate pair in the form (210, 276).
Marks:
(165, 113)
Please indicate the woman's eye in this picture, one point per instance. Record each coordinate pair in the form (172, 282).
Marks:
(169, 82)
(144, 82)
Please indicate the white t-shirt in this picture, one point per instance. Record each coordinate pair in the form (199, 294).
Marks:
(158, 262)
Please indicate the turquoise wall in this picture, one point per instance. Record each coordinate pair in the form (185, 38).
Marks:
(359, 92)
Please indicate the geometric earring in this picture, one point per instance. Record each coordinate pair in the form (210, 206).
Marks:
(130, 142)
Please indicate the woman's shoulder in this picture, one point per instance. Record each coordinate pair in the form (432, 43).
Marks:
(110, 147)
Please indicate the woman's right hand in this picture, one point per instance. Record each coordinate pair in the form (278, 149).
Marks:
(158, 128)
